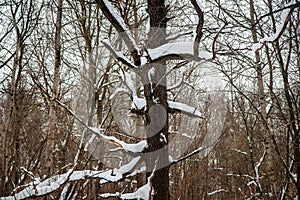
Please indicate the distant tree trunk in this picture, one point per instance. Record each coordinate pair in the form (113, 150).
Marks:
(51, 156)
(14, 123)
(157, 36)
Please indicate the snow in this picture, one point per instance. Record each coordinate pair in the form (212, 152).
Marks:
(216, 191)
(268, 107)
(134, 148)
(140, 103)
(167, 3)
(91, 140)
(37, 188)
(284, 16)
(151, 73)
(143, 60)
(189, 110)
(64, 192)
(163, 138)
(239, 151)
(143, 192)
(200, 149)
(118, 54)
(121, 22)
(177, 48)
(200, 5)
(256, 46)
(115, 175)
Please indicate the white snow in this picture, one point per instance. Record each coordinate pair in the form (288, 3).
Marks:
(91, 140)
(121, 22)
(178, 48)
(151, 73)
(189, 110)
(200, 5)
(140, 103)
(134, 148)
(256, 46)
(163, 138)
(216, 191)
(37, 188)
(143, 192)
(284, 16)
(167, 3)
(239, 151)
(120, 55)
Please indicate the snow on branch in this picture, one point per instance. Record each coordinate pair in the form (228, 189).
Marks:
(40, 188)
(143, 192)
(177, 51)
(119, 55)
(200, 149)
(140, 104)
(117, 21)
(184, 108)
(216, 191)
(133, 148)
(285, 15)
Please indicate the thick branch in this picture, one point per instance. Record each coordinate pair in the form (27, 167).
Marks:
(39, 188)
(119, 56)
(113, 16)
(199, 32)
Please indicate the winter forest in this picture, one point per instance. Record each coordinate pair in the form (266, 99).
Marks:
(156, 99)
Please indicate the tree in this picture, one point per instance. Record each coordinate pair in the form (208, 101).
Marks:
(112, 90)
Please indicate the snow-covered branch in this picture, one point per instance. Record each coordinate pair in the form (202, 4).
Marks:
(172, 162)
(40, 188)
(184, 108)
(133, 148)
(118, 55)
(140, 104)
(143, 192)
(117, 21)
(216, 192)
(288, 6)
(177, 51)
(285, 15)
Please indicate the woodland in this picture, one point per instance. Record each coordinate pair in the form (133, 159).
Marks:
(156, 99)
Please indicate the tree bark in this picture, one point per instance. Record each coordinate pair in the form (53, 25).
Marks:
(156, 89)
(51, 158)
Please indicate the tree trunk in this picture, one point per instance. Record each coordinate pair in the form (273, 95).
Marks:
(156, 89)
(51, 155)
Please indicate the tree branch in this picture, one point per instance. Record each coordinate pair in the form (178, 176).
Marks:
(117, 21)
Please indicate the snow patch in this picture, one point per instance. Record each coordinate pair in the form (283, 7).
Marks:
(178, 48)
(284, 16)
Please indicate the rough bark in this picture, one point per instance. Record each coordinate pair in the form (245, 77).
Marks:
(157, 36)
